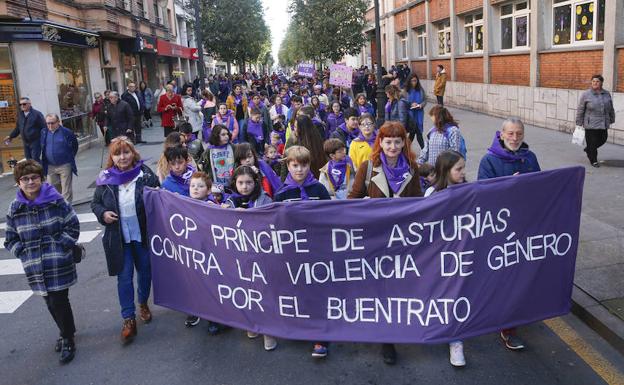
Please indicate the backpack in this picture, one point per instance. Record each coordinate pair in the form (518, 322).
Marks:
(462, 142)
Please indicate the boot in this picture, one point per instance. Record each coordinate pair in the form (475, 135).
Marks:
(68, 351)
(144, 313)
(128, 331)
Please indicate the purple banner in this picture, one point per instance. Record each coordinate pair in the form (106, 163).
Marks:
(469, 260)
(306, 69)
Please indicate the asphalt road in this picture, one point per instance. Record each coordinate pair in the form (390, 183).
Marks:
(560, 351)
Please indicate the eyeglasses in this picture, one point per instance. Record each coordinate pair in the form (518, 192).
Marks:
(368, 125)
(24, 104)
(27, 179)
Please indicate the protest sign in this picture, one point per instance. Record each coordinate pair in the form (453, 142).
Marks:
(340, 75)
(472, 259)
(306, 69)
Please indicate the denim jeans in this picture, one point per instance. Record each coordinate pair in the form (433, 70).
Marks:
(135, 255)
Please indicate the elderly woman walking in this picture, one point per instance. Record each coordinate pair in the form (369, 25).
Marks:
(595, 114)
(42, 230)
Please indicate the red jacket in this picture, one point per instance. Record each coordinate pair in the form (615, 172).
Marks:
(167, 115)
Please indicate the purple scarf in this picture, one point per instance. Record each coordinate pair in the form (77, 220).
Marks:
(47, 194)
(397, 174)
(270, 174)
(388, 107)
(185, 178)
(116, 177)
(363, 109)
(255, 129)
(238, 99)
(337, 171)
(243, 199)
(279, 109)
(252, 105)
(370, 141)
(290, 184)
(350, 134)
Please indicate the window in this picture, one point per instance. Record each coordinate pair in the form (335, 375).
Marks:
(402, 45)
(444, 39)
(421, 42)
(515, 18)
(473, 27)
(578, 21)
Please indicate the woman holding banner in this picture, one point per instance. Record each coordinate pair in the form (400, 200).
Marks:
(391, 172)
(118, 205)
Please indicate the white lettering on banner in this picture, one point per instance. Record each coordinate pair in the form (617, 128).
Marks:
(256, 272)
(355, 269)
(274, 240)
(395, 310)
(286, 303)
(188, 225)
(240, 297)
(185, 255)
(457, 263)
(533, 248)
(349, 238)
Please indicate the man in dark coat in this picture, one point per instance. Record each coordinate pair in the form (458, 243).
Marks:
(30, 122)
(119, 117)
(136, 102)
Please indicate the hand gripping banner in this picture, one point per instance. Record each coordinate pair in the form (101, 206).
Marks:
(472, 259)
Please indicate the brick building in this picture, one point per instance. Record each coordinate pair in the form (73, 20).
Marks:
(528, 58)
(59, 52)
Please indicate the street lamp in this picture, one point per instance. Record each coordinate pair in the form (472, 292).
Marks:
(381, 94)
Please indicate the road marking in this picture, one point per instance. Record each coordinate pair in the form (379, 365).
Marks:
(82, 218)
(85, 237)
(11, 267)
(11, 300)
(609, 373)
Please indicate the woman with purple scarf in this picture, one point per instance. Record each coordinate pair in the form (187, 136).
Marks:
(41, 230)
(225, 117)
(277, 109)
(118, 205)
(391, 172)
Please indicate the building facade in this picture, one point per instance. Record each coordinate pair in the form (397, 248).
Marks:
(60, 52)
(527, 58)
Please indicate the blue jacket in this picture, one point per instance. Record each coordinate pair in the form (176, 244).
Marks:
(500, 161)
(29, 126)
(65, 149)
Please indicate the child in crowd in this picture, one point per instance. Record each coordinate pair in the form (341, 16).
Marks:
(218, 159)
(180, 171)
(362, 146)
(301, 185)
(338, 174)
(255, 130)
(334, 118)
(277, 142)
(350, 129)
(173, 139)
(427, 176)
(193, 144)
(245, 155)
(450, 169)
(272, 158)
(247, 193)
(280, 127)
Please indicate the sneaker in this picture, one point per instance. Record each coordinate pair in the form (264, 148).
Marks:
(144, 313)
(456, 350)
(319, 351)
(270, 343)
(68, 351)
(512, 341)
(252, 335)
(596, 164)
(191, 321)
(128, 330)
(59, 345)
(389, 354)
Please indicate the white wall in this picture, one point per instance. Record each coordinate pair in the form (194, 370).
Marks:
(96, 76)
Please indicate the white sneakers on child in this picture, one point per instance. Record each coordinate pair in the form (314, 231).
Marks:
(252, 335)
(270, 343)
(457, 353)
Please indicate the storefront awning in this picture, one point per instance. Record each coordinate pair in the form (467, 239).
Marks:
(43, 30)
(166, 48)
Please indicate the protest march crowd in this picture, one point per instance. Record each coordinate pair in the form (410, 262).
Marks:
(249, 141)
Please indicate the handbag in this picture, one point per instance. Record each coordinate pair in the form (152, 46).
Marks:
(78, 253)
(578, 137)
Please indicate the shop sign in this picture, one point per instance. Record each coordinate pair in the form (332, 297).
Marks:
(50, 32)
(166, 48)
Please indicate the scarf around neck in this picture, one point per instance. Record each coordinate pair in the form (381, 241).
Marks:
(395, 175)
(185, 178)
(370, 141)
(47, 194)
(291, 184)
(116, 177)
(255, 129)
(337, 172)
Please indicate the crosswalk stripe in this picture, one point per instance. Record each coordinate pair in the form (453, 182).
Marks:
(11, 300)
(85, 237)
(82, 218)
(11, 267)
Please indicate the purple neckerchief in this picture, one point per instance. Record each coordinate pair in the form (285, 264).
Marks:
(498, 150)
(220, 147)
(238, 99)
(279, 109)
(350, 134)
(306, 100)
(337, 171)
(395, 175)
(266, 170)
(243, 198)
(255, 129)
(47, 194)
(185, 178)
(424, 183)
(272, 161)
(191, 138)
(290, 184)
(388, 107)
(321, 107)
(116, 177)
(363, 109)
(370, 140)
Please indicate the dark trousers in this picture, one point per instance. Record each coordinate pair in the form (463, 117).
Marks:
(147, 114)
(440, 99)
(594, 139)
(33, 150)
(60, 309)
(419, 137)
(138, 125)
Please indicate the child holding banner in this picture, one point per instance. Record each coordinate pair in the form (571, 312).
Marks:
(244, 155)
(180, 170)
(337, 175)
(450, 169)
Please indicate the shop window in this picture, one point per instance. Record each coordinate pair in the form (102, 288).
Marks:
(72, 88)
(444, 39)
(515, 19)
(473, 31)
(578, 22)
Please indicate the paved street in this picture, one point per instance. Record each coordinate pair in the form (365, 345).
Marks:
(560, 351)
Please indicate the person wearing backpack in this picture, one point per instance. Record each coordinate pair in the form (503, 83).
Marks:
(444, 135)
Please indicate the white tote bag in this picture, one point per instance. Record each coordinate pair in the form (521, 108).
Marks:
(578, 137)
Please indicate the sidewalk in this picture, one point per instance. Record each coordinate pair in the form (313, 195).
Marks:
(599, 287)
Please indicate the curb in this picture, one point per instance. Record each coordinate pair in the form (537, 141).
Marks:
(598, 318)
